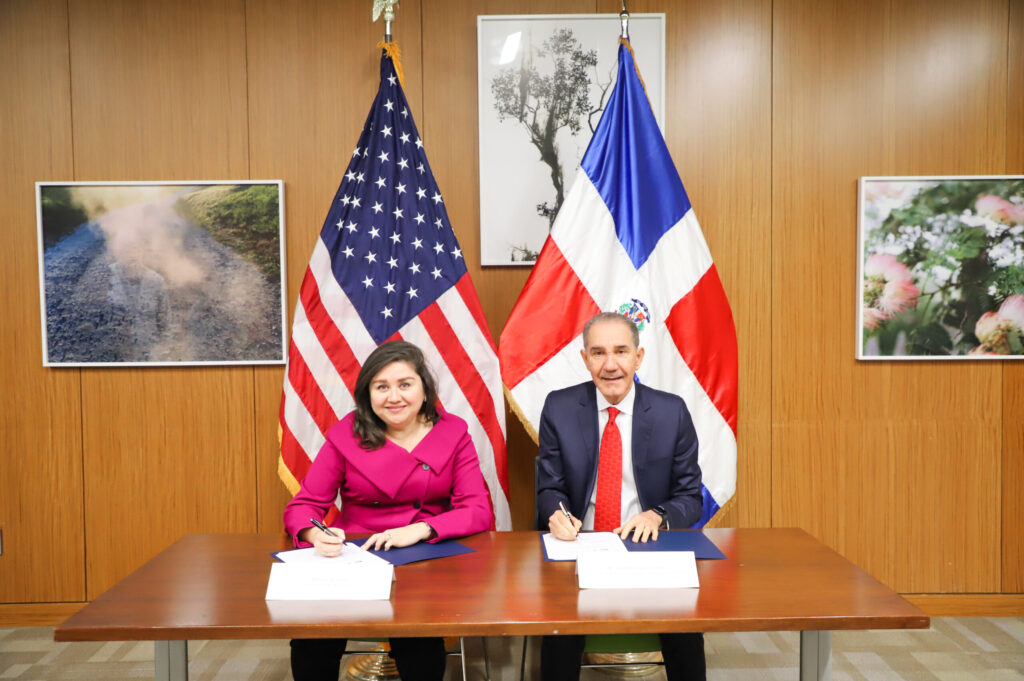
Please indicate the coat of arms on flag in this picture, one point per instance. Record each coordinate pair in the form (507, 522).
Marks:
(387, 265)
(627, 240)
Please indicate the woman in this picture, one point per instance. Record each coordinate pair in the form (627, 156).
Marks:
(406, 472)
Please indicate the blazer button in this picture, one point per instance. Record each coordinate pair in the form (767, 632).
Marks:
(426, 467)
(376, 503)
(416, 504)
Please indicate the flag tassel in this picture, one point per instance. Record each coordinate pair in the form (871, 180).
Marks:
(392, 51)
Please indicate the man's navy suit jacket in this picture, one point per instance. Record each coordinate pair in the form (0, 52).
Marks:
(665, 464)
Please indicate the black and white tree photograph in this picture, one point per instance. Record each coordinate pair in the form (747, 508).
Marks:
(544, 81)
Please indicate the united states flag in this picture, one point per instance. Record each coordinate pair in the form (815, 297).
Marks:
(627, 240)
(387, 266)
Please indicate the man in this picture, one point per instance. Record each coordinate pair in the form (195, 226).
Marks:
(621, 457)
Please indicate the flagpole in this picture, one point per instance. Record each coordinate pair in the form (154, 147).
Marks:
(624, 20)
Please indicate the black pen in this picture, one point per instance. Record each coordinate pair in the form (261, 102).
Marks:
(321, 526)
(567, 515)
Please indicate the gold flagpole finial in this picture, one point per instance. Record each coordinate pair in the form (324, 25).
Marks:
(387, 8)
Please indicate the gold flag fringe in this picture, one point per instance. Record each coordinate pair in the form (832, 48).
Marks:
(391, 50)
(290, 483)
(624, 41)
(514, 406)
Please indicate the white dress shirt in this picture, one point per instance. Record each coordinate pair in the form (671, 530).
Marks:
(630, 500)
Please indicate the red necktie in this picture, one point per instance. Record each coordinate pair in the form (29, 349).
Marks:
(607, 513)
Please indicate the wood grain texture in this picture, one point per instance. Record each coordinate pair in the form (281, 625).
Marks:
(160, 93)
(40, 412)
(309, 93)
(861, 449)
(36, 614)
(449, 130)
(969, 605)
(213, 587)
(1013, 372)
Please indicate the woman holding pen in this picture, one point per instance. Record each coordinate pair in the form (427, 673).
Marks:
(406, 472)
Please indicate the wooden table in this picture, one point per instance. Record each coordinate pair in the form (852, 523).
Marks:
(213, 586)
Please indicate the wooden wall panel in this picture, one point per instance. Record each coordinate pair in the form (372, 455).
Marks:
(1013, 372)
(449, 129)
(313, 71)
(718, 129)
(160, 93)
(40, 422)
(871, 89)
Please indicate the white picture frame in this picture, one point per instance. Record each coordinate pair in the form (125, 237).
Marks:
(940, 267)
(152, 274)
(518, 198)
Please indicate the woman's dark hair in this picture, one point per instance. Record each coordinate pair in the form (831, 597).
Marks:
(368, 426)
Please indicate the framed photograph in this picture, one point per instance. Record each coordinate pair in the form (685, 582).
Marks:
(941, 267)
(543, 82)
(161, 273)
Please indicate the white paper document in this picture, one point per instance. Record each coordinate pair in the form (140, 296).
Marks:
(307, 576)
(601, 542)
(637, 570)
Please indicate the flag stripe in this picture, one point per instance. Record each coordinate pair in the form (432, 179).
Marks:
(472, 302)
(320, 365)
(302, 381)
(466, 377)
(335, 345)
(541, 324)
(701, 326)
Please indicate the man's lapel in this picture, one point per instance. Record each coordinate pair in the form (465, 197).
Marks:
(588, 423)
(643, 423)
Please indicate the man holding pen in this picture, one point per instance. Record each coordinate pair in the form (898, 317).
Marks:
(617, 456)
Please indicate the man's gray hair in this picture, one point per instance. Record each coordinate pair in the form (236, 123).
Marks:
(611, 317)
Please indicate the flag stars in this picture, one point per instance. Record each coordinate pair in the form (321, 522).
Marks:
(386, 131)
(383, 157)
(439, 248)
(389, 287)
(341, 224)
(419, 143)
(386, 312)
(350, 175)
(405, 138)
(439, 223)
(397, 213)
(360, 177)
(374, 232)
(346, 199)
(421, 193)
(436, 197)
(420, 168)
(381, 183)
(414, 268)
(411, 293)
(389, 105)
(392, 263)
(417, 244)
(405, 112)
(403, 164)
(392, 80)
(400, 188)
(351, 227)
(420, 219)
(356, 152)
(348, 252)
(367, 283)
(396, 238)
(456, 253)
(378, 207)
(436, 272)
(356, 202)
(370, 258)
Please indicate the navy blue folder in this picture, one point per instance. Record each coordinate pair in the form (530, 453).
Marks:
(679, 540)
(422, 551)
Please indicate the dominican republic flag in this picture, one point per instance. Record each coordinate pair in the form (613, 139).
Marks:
(387, 266)
(627, 240)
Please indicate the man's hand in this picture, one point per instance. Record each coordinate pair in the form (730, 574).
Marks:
(561, 528)
(642, 525)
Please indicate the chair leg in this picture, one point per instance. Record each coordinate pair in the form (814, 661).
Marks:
(462, 657)
(522, 663)
(487, 659)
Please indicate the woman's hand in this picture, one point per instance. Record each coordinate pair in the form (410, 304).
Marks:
(325, 544)
(399, 537)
